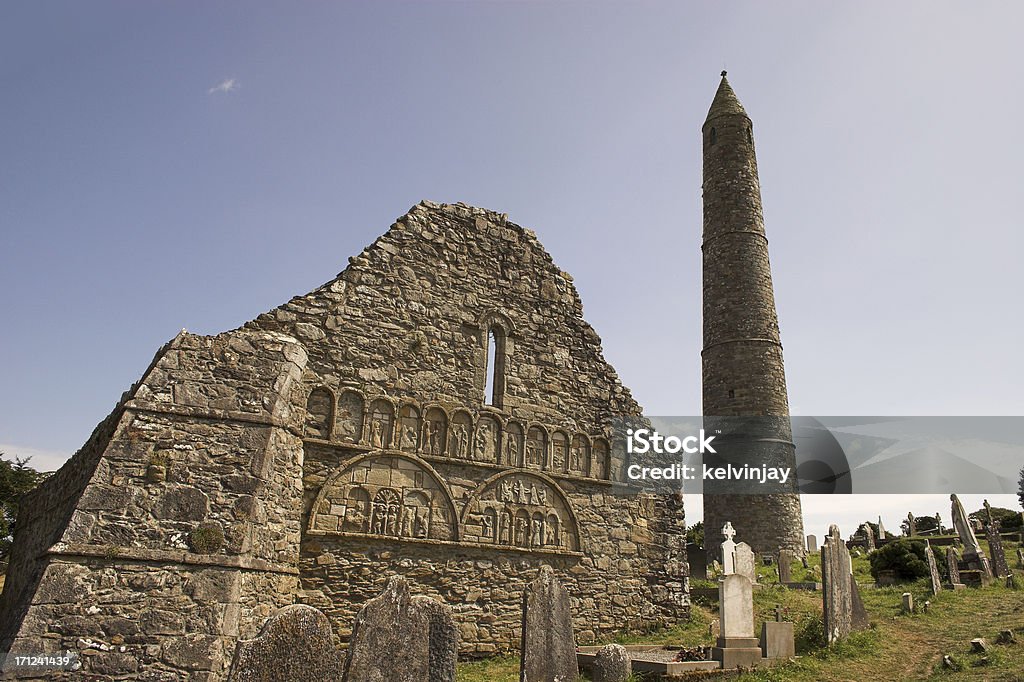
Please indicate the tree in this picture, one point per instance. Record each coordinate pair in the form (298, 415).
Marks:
(923, 525)
(1006, 518)
(695, 534)
(16, 479)
(906, 558)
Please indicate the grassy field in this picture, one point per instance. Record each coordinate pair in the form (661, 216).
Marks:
(897, 647)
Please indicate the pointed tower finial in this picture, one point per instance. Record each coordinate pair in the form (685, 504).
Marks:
(725, 101)
(723, 73)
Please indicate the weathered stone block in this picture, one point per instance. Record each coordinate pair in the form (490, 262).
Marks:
(612, 664)
(296, 643)
(548, 650)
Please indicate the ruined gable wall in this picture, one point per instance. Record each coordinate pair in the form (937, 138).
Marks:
(405, 325)
(186, 535)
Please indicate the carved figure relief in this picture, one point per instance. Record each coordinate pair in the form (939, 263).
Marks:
(462, 427)
(485, 442)
(386, 495)
(579, 456)
(536, 447)
(512, 454)
(559, 452)
(408, 428)
(382, 417)
(523, 511)
(435, 432)
(350, 417)
(319, 413)
(602, 467)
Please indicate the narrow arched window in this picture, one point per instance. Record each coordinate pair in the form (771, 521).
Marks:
(494, 388)
(713, 137)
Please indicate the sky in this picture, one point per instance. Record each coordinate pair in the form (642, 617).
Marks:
(191, 165)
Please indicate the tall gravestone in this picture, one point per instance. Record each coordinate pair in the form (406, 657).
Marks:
(295, 643)
(1020, 557)
(973, 558)
(933, 569)
(728, 549)
(743, 562)
(837, 599)
(812, 543)
(995, 550)
(548, 650)
(736, 645)
(953, 567)
(424, 633)
(785, 566)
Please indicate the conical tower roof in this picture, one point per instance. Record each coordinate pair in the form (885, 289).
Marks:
(725, 101)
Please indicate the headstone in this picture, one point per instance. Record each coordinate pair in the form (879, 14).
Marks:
(837, 600)
(953, 568)
(933, 569)
(911, 528)
(996, 552)
(611, 664)
(743, 562)
(858, 614)
(979, 645)
(785, 566)
(869, 537)
(296, 642)
(1006, 637)
(777, 640)
(812, 543)
(908, 602)
(1020, 557)
(973, 558)
(548, 649)
(736, 644)
(698, 560)
(728, 548)
(422, 629)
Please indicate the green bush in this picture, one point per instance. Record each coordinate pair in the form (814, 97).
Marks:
(906, 558)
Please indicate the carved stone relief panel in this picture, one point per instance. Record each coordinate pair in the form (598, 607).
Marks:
(559, 452)
(487, 439)
(521, 510)
(536, 447)
(350, 417)
(386, 495)
(319, 413)
(579, 456)
(460, 435)
(382, 418)
(601, 467)
(435, 432)
(512, 450)
(408, 428)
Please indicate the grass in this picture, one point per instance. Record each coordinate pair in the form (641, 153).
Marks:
(896, 647)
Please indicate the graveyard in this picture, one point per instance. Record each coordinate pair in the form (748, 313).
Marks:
(896, 645)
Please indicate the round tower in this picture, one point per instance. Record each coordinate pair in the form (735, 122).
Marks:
(742, 368)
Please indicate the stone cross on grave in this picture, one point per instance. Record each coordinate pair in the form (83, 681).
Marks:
(728, 549)
(988, 512)
(778, 613)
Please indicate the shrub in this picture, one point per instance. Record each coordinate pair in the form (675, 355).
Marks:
(906, 558)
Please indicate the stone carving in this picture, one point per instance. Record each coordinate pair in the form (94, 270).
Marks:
(579, 455)
(513, 447)
(933, 569)
(602, 466)
(559, 452)
(728, 549)
(435, 432)
(350, 417)
(409, 428)
(743, 562)
(319, 413)
(295, 643)
(536, 447)
(548, 646)
(382, 417)
(421, 629)
(612, 664)
(486, 440)
(521, 510)
(385, 495)
(953, 567)
(461, 430)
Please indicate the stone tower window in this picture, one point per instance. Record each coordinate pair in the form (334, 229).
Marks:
(713, 137)
(494, 388)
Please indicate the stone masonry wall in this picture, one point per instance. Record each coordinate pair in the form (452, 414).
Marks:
(186, 535)
(400, 339)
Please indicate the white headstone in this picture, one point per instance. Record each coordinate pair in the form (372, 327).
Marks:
(728, 548)
(743, 561)
(812, 543)
(736, 606)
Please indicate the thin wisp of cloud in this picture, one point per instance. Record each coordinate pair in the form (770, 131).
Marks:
(226, 85)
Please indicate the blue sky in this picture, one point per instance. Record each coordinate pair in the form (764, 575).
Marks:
(169, 165)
